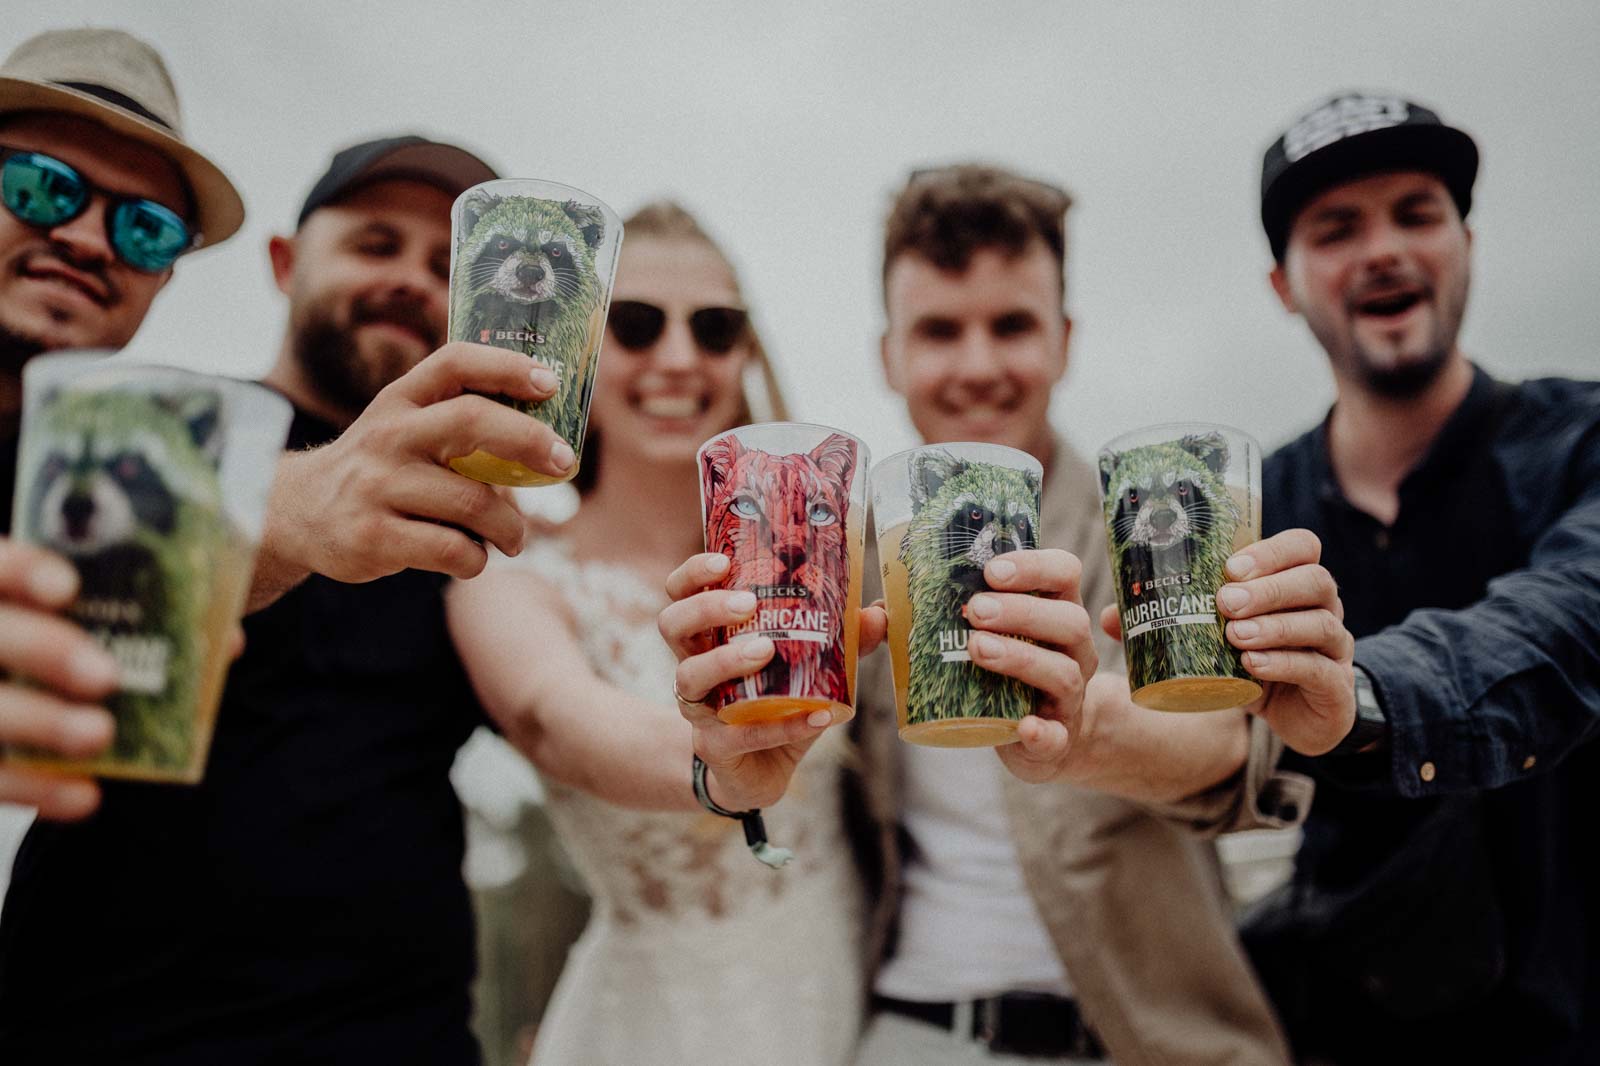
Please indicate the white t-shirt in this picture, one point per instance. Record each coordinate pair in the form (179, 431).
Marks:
(968, 927)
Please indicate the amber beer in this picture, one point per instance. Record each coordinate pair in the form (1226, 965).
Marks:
(153, 483)
(531, 268)
(770, 708)
(942, 698)
(1179, 501)
(786, 503)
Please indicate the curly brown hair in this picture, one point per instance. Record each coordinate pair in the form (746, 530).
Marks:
(945, 214)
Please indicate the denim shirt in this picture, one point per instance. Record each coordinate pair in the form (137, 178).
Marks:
(1477, 614)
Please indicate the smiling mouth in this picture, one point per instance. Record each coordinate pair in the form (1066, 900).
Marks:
(673, 406)
(1389, 305)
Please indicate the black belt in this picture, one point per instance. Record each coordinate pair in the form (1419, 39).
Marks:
(1017, 1023)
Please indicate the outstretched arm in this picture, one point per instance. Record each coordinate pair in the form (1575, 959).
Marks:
(382, 498)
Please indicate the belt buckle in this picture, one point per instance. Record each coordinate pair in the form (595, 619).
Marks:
(986, 1019)
(1075, 1039)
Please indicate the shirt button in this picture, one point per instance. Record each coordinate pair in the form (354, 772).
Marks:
(1426, 771)
(1527, 764)
(1382, 540)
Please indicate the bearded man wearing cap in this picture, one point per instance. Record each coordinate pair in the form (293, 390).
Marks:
(1443, 908)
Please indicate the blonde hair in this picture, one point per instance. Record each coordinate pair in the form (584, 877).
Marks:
(762, 397)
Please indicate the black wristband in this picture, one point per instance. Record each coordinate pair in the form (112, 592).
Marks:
(755, 830)
(1370, 726)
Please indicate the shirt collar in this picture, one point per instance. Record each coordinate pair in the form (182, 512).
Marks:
(1465, 426)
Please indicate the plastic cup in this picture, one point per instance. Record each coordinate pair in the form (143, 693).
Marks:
(941, 513)
(1179, 500)
(786, 503)
(153, 483)
(531, 267)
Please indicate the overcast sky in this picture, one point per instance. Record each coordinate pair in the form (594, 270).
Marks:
(787, 126)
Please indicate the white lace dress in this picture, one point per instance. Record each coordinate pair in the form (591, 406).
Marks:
(697, 954)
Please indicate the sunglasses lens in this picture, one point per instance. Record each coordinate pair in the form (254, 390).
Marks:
(41, 191)
(718, 329)
(146, 235)
(636, 325)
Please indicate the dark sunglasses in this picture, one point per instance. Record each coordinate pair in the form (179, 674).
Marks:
(637, 325)
(43, 191)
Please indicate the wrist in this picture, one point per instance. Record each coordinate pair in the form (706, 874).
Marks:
(1369, 729)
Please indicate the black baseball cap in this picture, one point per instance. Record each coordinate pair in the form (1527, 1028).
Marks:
(409, 157)
(1352, 135)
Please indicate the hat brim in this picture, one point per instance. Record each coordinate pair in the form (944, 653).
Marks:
(219, 210)
(1432, 149)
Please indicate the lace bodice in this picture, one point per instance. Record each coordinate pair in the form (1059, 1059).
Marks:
(771, 953)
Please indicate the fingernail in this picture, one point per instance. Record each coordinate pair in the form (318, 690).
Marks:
(93, 667)
(1246, 630)
(1240, 567)
(742, 602)
(561, 455)
(983, 644)
(1255, 660)
(755, 648)
(818, 719)
(984, 607)
(1002, 569)
(1233, 597)
(84, 729)
(53, 581)
(717, 563)
(544, 379)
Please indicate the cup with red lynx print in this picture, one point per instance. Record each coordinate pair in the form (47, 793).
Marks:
(786, 503)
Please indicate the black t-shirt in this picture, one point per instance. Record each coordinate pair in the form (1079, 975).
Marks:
(305, 903)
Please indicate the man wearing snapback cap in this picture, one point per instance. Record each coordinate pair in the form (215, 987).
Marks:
(1443, 908)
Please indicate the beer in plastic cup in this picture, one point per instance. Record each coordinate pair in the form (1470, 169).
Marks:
(941, 512)
(1179, 500)
(531, 267)
(153, 483)
(786, 503)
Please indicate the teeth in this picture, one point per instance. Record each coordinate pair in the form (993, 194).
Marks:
(670, 406)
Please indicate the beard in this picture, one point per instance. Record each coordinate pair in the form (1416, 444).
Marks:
(1406, 380)
(347, 373)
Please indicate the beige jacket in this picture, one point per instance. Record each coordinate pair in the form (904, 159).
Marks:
(1133, 899)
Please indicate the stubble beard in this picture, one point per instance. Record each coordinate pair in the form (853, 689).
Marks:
(1409, 378)
(340, 373)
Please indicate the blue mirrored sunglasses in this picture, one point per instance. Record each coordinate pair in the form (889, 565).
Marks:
(43, 191)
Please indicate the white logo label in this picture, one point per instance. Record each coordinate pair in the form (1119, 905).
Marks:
(1341, 118)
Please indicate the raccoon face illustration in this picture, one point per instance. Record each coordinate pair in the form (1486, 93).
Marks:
(100, 487)
(90, 502)
(969, 513)
(1169, 499)
(524, 251)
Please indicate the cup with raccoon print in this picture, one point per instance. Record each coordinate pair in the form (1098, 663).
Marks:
(941, 512)
(1179, 500)
(786, 502)
(531, 267)
(153, 483)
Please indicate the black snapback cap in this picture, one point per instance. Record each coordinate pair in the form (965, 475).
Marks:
(409, 157)
(1350, 136)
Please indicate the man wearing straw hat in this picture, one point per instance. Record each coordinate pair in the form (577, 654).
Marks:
(102, 195)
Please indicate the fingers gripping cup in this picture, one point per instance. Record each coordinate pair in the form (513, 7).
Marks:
(531, 268)
(1179, 500)
(153, 483)
(786, 503)
(941, 513)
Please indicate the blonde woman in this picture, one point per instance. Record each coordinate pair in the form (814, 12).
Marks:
(695, 953)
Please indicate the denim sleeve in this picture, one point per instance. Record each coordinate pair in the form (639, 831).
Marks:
(1487, 695)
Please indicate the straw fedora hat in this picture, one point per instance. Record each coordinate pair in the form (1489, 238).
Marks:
(120, 82)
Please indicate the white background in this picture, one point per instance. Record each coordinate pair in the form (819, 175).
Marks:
(788, 126)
